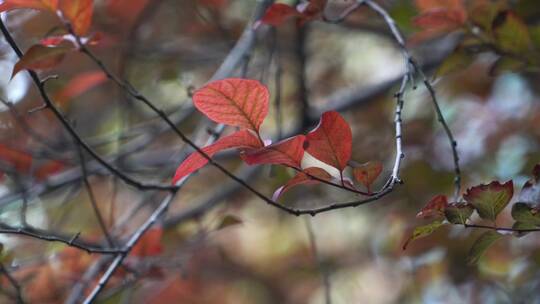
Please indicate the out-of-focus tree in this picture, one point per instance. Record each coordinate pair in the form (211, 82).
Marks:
(230, 151)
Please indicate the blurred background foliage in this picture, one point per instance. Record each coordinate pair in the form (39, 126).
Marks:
(241, 250)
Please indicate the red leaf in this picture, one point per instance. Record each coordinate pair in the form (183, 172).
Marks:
(367, 173)
(490, 200)
(35, 4)
(434, 208)
(440, 18)
(425, 5)
(79, 13)
(311, 10)
(288, 152)
(80, 84)
(331, 141)
(149, 244)
(302, 178)
(241, 139)
(234, 101)
(277, 13)
(47, 169)
(21, 161)
(39, 57)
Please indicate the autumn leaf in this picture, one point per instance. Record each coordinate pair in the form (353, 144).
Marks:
(434, 208)
(21, 161)
(440, 18)
(367, 173)
(311, 10)
(149, 244)
(278, 13)
(47, 169)
(240, 139)
(331, 141)
(288, 152)
(458, 213)
(234, 101)
(511, 33)
(39, 57)
(79, 13)
(422, 231)
(425, 5)
(480, 246)
(80, 84)
(490, 200)
(34, 4)
(304, 177)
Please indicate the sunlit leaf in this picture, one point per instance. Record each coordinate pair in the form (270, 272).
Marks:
(511, 32)
(39, 57)
(240, 139)
(304, 177)
(367, 173)
(288, 152)
(434, 208)
(234, 101)
(458, 213)
(331, 141)
(490, 200)
(480, 246)
(422, 231)
(79, 13)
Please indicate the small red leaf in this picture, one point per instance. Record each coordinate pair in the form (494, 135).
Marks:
(80, 84)
(149, 244)
(367, 173)
(234, 101)
(288, 152)
(241, 139)
(302, 178)
(35, 4)
(40, 57)
(277, 13)
(79, 13)
(434, 208)
(440, 18)
(331, 141)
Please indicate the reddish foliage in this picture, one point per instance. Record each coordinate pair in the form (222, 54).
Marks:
(79, 13)
(331, 140)
(489, 200)
(303, 177)
(440, 18)
(434, 208)
(80, 84)
(21, 161)
(234, 101)
(241, 139)
(35, 4)
(149, 244)
(278, 13)
(39, 57)
(367, 173)
(288, 152)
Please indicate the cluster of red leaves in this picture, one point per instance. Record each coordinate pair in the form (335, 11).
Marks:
(439, 16)
(278, 13)
(51, 51)
(244, 103)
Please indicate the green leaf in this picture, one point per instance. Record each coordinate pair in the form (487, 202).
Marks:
(506, 64)
(481, 245)
(511, 33)
(422, 231)
(456, 61)
(458, 213)
(490, 200)
(522, 226)
(524, 213)
(229, 220)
